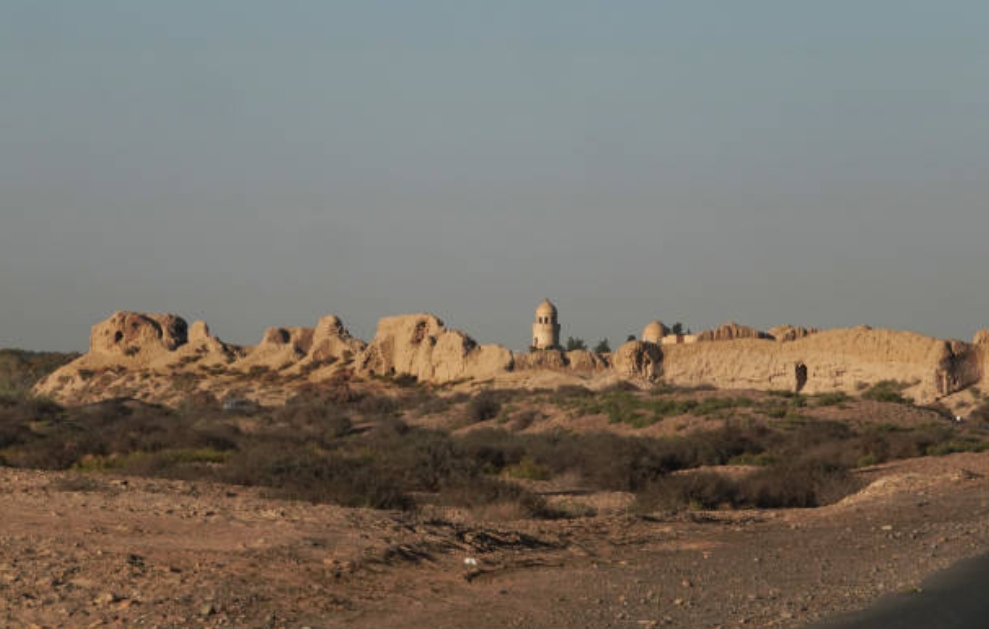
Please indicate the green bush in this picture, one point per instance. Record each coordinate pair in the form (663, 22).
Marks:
(528, 469)
(574, 344)
(887, 391)
(629, 407)
(831, 399)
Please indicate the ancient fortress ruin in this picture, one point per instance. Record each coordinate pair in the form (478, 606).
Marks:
(149, 355)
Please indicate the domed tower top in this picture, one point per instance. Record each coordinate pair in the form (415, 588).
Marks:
(546, 328)
(546, 309)
(654, 332)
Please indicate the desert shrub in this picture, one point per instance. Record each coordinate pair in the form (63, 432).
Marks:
(609, 461)
(20, 406)
(20, 369)
(10, 397)
(956, 445)
(806, 483)
(867, 460)
(426, 460)
(528, 469)
(761, 459)
(705, 490)
(831, 399)
(939, 408)
(873, 447)
(21, 416)
(624, 405)
(388, 427)
(804, 434)
(571, 391)
(168, 462)
(980, 414)
(775, 411)
(425, 402)
(487, 492)
(482, 407)
(524, 419)
(493, 449)
(621, 386)
(315, 419)
(405, 380)
(887, 391)
(199, 402)
(45, 454)
(711, 405)
(603, 460)
(302, 474)
(377, 405)
(783, 393)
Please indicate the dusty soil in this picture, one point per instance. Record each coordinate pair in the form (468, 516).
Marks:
(93, 551)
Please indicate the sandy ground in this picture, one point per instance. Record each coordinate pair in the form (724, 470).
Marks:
(99, 551)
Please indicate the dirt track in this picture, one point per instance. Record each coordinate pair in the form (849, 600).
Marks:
(99, 551)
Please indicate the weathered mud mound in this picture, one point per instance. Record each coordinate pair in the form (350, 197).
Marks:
(835, 360)
(138, 338)
(420, 345)
(729, 332)
(636, 359)
(158, 357)
(784, 333)
(576, 361)
(298, 347)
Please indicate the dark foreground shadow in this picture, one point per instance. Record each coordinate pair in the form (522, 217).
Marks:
(955, 599)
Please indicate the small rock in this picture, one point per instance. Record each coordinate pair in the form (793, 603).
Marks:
(208, 609)
(107, 598)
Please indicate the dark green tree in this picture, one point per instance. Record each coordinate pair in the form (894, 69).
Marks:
(677, 328)
(602, 347)
(574, 344)
(631, 337)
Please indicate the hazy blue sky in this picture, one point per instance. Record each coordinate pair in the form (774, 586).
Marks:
(264, 163)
